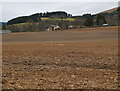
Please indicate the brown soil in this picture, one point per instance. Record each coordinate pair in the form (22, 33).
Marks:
(61, 60)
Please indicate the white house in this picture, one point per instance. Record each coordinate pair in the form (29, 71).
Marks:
(105, 24)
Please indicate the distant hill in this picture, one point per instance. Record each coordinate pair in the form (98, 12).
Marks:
(111, 15)
(37, 17)
(109, 11)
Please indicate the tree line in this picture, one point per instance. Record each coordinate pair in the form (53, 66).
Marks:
(37, 17)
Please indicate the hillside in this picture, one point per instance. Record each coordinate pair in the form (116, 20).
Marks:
(58, 15)
(109, 11)
(39, 16)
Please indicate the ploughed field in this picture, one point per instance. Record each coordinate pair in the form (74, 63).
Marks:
(71, 59)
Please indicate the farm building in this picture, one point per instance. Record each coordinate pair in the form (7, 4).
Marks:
(105, 25)
(54, 28)
(71, 26)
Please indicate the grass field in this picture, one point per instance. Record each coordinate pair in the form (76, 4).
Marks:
(72, 59)
(66, 19)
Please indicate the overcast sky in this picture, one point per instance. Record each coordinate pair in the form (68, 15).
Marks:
(15, 9)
